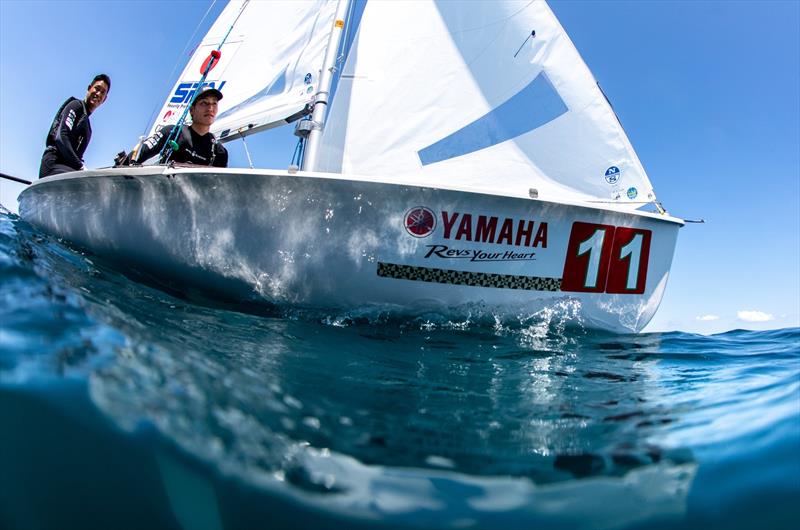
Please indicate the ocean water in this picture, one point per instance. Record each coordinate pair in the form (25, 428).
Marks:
(127, 406)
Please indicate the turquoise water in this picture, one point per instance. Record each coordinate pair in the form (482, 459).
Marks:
(125, 406)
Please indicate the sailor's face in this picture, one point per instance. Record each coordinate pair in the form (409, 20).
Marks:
(96, 95)
(204, 111)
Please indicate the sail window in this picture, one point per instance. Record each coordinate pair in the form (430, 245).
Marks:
(276, 86)
(529, 109)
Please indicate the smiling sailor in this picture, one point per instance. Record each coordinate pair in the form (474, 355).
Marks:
(196, 144)
(71, 131)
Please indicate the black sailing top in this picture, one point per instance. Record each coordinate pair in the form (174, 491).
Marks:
(193, 148)
(70, 133)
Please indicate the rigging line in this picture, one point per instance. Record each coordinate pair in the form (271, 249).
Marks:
(350, 35)
(175, 67)
(247, 152)
(170, 146)
(345, 45)
(344, 42)
(297, 156)
(244, 5)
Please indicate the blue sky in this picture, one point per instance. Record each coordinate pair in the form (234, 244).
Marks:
(708, 92)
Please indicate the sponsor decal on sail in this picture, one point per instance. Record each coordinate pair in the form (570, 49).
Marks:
(184, 91)
(612, 174)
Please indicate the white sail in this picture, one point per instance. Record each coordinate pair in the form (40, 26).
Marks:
(459, 93)
(269, 68)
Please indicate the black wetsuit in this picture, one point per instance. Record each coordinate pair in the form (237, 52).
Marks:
(193, 148)
(67, 139)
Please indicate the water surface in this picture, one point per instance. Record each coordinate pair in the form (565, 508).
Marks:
(126, 406)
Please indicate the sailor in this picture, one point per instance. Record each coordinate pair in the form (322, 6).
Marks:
(196, 144)
(71, 131)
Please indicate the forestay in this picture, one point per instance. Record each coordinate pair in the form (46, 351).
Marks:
(446, 93)
(270, 65)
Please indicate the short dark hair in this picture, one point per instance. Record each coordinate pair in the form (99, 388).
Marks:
(101, 77)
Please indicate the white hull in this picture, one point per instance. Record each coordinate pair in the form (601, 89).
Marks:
(326, 241)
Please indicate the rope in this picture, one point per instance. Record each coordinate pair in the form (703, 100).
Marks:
(297, 157)
(247, 152)
(171, 145)
(156, 107)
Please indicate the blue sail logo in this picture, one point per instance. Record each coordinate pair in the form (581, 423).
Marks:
(530, 108)
(612, 174)
(184, 91)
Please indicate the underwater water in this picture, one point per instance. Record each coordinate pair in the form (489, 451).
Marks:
(124, 406)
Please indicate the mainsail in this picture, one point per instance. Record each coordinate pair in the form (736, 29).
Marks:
(490, 95)
(269, 69)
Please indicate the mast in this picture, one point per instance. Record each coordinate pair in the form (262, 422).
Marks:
(321, 99)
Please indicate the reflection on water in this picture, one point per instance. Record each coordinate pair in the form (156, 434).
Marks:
(175, 415)
(382, 421)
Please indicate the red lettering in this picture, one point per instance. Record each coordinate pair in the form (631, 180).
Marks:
(506, 232)
(541, 236)
(448, 223)
(485, 230)
(465, 228)
(522, 231)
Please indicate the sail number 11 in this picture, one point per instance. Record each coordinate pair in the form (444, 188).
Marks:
(606, 259)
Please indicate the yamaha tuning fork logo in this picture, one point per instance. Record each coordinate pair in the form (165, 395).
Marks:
(420, 221)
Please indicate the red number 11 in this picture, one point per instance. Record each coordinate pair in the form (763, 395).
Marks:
(605, 258)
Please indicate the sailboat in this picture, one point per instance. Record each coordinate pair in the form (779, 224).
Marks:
(468, 162)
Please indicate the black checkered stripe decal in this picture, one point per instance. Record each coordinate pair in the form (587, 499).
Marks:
(475, 279)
